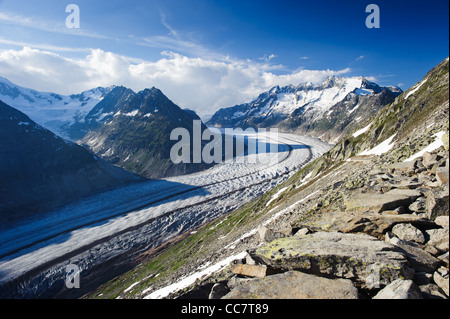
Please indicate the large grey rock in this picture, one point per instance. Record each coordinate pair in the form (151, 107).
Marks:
(431, 291)
(351, 256)
(442, 221)
(408, 232)
(380, 202)
(250, 270)
(362, 222)
(429, 160)
(413, 194)
(420, 260)
(400, 289)
(419, 206)
(437, 203)
(438, 238)
(442, 175)
(441, 278)
(267, 234)
(294, 285)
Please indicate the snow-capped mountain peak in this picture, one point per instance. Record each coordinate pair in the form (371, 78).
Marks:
(51, 110)
(280, 103)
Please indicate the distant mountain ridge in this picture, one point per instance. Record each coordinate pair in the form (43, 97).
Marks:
(126, 128)
(50, 110)
(306, 107)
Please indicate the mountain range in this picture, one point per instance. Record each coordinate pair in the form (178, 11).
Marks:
(325, 110)
(118, 130)
(379, 196)
(389, 146)
(50, 110)
(125, 128)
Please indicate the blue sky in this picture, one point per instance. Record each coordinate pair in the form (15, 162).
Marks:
(209, 54)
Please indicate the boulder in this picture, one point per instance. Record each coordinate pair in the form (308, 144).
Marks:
(438, 238)
(362, 222)
(419, 259)
(441, 278)
(407, 168)
(400, 289)
(410, 193)
(378, 203)
(432, 291)
(267, 235)
(333, 254)
(408, 232)
(442, 175)
(442, 221)
(294, 285)
(250, 270)
(437, 203)
(429, 160)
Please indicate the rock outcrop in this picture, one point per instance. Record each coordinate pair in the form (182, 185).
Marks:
(389, 240)
(294, 284)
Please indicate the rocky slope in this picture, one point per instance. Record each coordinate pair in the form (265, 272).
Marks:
(369, 219)
(40, 171)
(327, 110)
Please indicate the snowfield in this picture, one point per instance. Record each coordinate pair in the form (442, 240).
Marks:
(146, 214)
(50, 110)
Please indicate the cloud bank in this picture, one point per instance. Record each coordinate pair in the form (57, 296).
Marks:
(202, 84)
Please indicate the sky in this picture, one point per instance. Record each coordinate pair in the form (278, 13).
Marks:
(208, 54)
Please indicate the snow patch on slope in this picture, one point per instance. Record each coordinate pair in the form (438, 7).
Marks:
(381, 148)
(430, 148)
(415, 89)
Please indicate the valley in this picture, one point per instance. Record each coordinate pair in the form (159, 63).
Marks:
(139, 217)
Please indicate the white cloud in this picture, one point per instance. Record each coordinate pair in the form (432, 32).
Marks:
(266, 58)
(204, 84)
(172, 31)
(371, 78)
